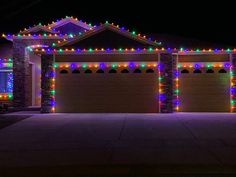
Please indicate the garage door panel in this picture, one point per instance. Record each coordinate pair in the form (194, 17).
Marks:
(107, 92)
(204, 92)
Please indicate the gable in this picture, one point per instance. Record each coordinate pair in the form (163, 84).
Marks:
(38, 30)
(107, 39)
(70, 28)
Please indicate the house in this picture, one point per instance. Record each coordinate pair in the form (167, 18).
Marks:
(70, 66)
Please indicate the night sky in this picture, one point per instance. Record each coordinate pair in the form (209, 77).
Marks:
(209, 22)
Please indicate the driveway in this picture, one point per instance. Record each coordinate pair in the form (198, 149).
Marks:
(193, 142)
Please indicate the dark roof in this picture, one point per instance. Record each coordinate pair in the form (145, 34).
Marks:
(173, 41)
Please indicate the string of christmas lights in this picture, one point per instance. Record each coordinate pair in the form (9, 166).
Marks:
(6, 63)
(107, 65)
(204, 65)
(6, 96)
(103, 50)
(53, 92)
(176, 85)
(50, 26)
(233, 86)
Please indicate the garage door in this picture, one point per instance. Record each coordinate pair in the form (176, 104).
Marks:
(204, 90)
(107, 90)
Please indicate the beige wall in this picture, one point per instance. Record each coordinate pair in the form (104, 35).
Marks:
(107, 58)
(204, 58)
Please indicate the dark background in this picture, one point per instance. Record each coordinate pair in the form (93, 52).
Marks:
(208, 22)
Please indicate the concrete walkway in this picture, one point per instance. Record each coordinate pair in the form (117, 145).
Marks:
(58, 140)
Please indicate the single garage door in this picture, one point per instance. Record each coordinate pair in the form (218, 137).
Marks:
(204, 90)
(107, 90)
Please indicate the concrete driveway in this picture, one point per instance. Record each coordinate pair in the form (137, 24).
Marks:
(130, 140)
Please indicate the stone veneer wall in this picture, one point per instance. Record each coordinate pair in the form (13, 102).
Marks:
(21, 71)
(47, 76)
(233, 81)
(167, 71)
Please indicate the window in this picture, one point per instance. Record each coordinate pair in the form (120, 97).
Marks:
(6, 82)
(112, 71)
(210, 71)
(137, 71)
(150, 71)
(64, 71)
(100, 71)
(185, 71)
(76, 71)
(197, 71)
(222, 71)
(125, 71)
(88, 71)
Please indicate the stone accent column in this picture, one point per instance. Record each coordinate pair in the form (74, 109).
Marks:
(233, 82)
(46, 78)
(20, 73)
(175, 83)
(166, 77)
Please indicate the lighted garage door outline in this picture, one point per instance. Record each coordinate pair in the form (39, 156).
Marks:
(183, 68)
(100, 66)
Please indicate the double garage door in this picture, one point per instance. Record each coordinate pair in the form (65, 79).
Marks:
(107, 90)
(204, 90)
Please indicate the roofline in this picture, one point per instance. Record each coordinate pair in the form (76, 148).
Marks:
(40, 27)
(69, 20)
(131, 51)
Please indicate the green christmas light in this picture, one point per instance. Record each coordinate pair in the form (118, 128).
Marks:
(53, 92)
(177, 91)
(10, 95)
(55, 65)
